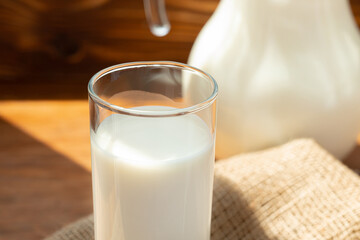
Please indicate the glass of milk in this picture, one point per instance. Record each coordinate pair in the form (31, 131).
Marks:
(152, 147)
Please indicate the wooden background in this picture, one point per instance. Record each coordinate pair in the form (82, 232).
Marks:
(49, 49)
(56, 43)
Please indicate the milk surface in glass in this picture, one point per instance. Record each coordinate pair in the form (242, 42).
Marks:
(152, 178)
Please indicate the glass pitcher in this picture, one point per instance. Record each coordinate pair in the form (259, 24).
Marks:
(156, 17)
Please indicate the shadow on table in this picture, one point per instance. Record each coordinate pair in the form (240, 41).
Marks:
(353, 159)
(40, 189)
(232, 217)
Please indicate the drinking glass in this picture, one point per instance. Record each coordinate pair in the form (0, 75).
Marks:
(152, 128)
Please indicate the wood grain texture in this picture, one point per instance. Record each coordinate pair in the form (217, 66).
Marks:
(40, 189)
(62, 126)
(52, 42)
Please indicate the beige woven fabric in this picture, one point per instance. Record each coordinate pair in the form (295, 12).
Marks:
(296, 191)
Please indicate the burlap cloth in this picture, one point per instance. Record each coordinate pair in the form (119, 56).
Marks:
(295, 191)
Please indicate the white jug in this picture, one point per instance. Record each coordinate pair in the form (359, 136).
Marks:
(286, 69)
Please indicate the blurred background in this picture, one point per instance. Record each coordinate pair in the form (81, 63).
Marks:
(49, 50)
(51, 45)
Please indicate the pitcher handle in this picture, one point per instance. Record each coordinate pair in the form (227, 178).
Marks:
(156, 17)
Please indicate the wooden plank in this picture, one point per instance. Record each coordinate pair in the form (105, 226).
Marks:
(40, 189)
(62, 126)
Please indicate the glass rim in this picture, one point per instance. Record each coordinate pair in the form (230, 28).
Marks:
(152, 113)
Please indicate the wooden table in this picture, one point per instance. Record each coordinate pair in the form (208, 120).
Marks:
(45, 179)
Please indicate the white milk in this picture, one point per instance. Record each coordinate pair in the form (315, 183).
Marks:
(152, 178)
